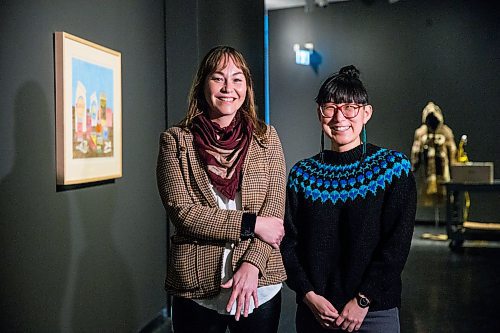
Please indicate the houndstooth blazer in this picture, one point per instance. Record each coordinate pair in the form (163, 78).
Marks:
(202, 229)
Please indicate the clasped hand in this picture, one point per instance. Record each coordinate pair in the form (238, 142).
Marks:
(350, 319)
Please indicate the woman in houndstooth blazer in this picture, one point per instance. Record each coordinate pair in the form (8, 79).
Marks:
(221, 177)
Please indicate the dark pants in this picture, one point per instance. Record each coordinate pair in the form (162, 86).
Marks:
(190, 317)
(385, 321)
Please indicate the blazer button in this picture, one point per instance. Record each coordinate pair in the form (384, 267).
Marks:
(246, 207)
(183, 148)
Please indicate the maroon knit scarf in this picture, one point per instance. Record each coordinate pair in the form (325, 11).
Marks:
(223, 151)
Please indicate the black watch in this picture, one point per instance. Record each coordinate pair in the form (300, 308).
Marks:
(363, 301)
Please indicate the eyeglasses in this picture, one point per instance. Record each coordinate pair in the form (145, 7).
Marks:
(348, 110)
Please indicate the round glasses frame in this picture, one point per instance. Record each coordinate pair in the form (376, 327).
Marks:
(349, 110)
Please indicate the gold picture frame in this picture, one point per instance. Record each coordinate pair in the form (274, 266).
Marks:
(88, 111)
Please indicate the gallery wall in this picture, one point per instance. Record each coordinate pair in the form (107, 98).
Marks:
(90, 259)
(409, 53)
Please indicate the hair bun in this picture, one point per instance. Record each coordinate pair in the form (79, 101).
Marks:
(350, 71)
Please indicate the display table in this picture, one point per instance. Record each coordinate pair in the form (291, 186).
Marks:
(459, 230)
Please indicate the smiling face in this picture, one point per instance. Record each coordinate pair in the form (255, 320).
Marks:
(345, 133)
(225, 91)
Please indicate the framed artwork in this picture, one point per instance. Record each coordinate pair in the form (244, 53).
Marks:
(88, 111)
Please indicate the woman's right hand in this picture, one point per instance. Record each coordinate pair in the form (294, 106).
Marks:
(270, 230)
(324, 311)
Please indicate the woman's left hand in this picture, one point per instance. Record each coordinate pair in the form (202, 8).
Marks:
(244, 283)
(352, 316)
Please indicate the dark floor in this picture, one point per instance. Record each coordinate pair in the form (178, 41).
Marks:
(443, 291)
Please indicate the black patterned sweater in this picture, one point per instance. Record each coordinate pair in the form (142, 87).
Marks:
(348, 225)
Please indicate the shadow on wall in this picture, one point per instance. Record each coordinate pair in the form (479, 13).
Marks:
(104, 295)
(33, 222)
(59, 269)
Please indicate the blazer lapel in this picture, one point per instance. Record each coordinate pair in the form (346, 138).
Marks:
(251, 156)
(199, 172)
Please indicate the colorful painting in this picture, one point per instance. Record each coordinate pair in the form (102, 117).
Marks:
(88, 111)
(92, 110)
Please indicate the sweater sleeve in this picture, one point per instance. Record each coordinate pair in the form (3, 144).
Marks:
(398, 220)
(297, 277)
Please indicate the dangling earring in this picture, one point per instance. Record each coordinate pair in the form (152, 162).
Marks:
(363, 138)
(322, 147)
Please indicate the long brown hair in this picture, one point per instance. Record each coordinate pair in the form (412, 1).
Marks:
(215, 58)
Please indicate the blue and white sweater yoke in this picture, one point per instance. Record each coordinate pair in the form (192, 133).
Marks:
(349, 181)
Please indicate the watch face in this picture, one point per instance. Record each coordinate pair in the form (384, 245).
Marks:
(363, 301)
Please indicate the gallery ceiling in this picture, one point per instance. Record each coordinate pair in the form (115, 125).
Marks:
(281, 4)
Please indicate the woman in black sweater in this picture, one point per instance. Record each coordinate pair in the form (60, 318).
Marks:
(349, 220)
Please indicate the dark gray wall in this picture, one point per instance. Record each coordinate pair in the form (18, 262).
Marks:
(409, 53)
(90, 259)
(182, 55)
(237, 23)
